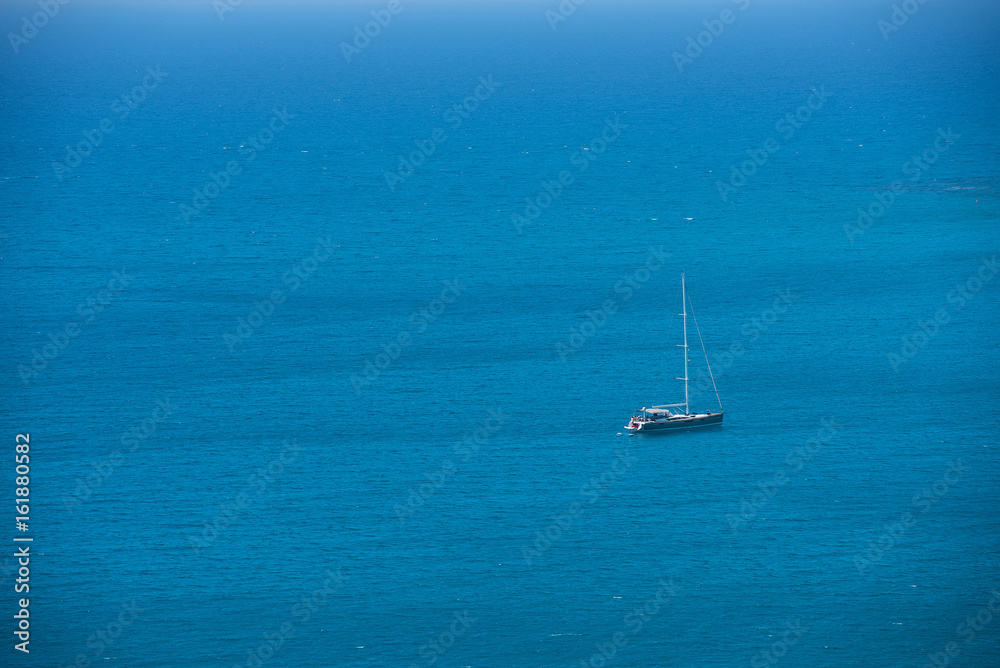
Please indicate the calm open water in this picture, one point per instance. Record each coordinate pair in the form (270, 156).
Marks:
(337, 408)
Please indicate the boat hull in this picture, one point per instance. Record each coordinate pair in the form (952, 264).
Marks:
(676, 424)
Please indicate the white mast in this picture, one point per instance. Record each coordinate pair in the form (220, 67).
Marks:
(684, 313)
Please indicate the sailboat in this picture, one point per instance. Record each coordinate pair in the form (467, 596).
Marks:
(671, 416)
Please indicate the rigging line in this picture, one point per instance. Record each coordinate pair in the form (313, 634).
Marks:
(705, 352)
(670, 328)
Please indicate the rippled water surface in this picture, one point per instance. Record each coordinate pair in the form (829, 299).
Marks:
(352, 343)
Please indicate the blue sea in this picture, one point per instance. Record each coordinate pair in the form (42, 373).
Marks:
(324, 321)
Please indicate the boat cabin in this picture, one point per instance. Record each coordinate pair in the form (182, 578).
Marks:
(655, 413)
